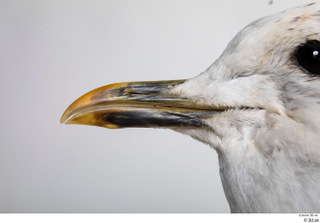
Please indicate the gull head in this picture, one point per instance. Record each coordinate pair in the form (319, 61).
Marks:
(257, 105)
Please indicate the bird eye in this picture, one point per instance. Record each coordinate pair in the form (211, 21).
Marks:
(308, 56)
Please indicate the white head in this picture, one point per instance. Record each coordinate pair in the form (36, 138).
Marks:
(257, 106)
(268, 140)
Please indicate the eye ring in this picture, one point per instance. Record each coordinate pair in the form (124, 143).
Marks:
(307, 56)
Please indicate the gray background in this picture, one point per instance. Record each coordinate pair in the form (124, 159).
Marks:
(52, 52)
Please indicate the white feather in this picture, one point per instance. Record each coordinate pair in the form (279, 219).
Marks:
(268, 141)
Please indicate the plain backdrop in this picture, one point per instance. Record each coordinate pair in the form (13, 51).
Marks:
(52, 52)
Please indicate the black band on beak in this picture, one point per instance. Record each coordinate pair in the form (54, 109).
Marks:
(137, 104)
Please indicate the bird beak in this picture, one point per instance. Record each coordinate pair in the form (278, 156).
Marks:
(137, 104)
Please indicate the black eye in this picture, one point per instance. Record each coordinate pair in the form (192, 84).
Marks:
(308, 56)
